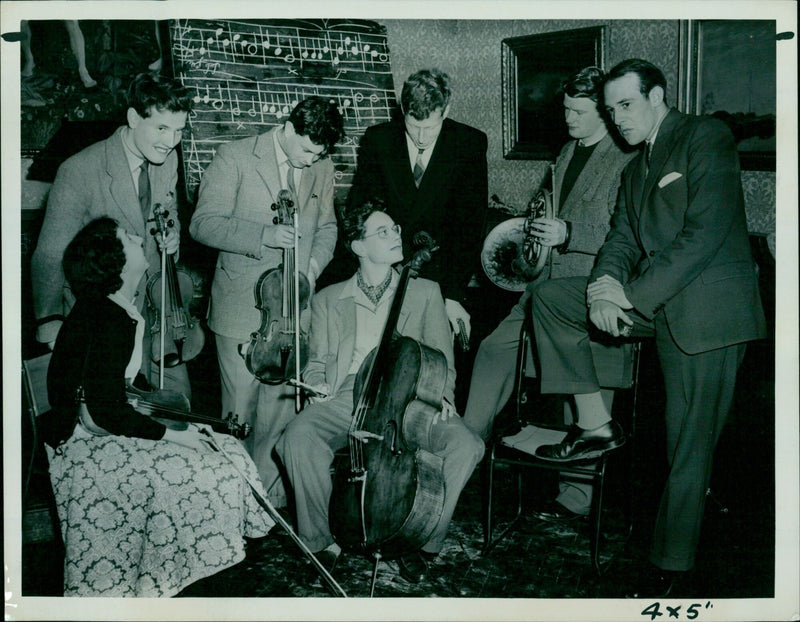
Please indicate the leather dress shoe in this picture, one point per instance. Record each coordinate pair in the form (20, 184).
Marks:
(413, 567)
(554, 512)
(580, 444)
(655, 583)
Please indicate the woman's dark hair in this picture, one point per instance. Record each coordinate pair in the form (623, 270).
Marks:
(354, 217)
(320, 120)
(147, 91)
(94, 260)
(588, 82)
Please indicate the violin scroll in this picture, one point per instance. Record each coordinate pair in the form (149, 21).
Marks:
(425, 246)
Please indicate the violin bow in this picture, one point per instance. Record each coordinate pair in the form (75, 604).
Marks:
(297, 404)
(270, 509)
(163, 308)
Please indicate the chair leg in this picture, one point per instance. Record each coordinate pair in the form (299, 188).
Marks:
(489, 542)
(489, 487)
(597, 516)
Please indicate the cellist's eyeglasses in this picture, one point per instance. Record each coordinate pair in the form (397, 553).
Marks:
(383, 232)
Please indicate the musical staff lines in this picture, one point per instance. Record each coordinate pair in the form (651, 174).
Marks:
(210, 45)
(246, 77)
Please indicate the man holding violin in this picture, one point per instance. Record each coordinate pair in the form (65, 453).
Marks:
(233, 215)
(347, 322)
(122, 177)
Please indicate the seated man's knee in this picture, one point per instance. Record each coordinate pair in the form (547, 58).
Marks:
(464, 444)
(298, 436)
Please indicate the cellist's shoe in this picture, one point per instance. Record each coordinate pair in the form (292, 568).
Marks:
(329, 556)
(413, 567)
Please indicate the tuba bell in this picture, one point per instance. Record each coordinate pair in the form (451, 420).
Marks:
(511, 257)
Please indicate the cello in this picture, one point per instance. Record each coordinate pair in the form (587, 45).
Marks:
(180, 336)
(388, 493)
(278, 350)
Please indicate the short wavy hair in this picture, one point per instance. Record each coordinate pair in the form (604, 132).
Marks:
(147, 91)
(354, 217)
(320, 120)
(424, 92)
(588, 82)
(94, 260)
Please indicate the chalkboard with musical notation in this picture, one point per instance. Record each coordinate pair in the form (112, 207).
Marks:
(247, 75)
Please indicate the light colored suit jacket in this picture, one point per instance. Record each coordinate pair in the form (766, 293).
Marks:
(589, 204)
(234, 208)
(333, 330)
(92, 183)
(679, 242)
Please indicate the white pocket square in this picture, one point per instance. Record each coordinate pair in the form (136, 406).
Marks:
(669, 178)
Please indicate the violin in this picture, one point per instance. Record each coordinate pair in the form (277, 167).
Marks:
(388, 494)
(171, 409)
(176, 334)
(278, 350)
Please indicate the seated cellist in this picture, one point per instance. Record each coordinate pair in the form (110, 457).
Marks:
(347, 320)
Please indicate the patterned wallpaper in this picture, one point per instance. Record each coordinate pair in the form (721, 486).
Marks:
(469, 50)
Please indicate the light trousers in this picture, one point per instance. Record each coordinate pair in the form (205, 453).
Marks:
(308, 445)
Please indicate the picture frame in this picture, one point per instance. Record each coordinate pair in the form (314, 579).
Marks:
(727, 69)
(533, 68)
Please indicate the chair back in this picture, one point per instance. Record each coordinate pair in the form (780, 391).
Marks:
(34, 383)
(34, 388)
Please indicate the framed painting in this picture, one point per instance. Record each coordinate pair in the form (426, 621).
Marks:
(728, 70)
(533, 68)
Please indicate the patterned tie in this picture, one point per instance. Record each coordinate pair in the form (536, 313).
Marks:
(144, 190)
(419, 168)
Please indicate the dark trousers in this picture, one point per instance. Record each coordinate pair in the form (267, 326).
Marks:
(699, 393)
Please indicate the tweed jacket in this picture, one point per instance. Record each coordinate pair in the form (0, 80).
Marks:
(450, 204)
(333, 330)
(234, 209)
(678, 241)
(589, 205)
(92, 183)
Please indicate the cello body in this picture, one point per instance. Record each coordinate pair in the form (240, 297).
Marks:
(388, 492)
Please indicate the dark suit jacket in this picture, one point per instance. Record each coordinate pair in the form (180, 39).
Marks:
(678, 240)
(93, 348)
(450, 203)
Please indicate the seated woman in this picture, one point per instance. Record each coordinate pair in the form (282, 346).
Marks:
(144, 510)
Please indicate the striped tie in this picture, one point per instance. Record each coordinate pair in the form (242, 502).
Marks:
(419, 168)
(144, 190)
(290, 182)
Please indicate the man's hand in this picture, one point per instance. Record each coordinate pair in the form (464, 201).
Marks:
(170, 242)
(318, 393)
(607, 288)
(278, 236)
(607, 315)
(549, 231)
(456, 312)
(448, 410)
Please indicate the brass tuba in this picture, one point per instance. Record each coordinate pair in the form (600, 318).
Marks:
(511, 257)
